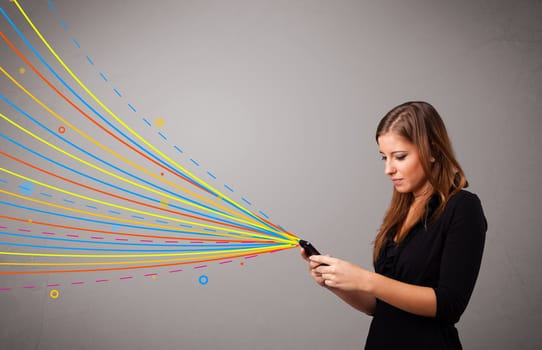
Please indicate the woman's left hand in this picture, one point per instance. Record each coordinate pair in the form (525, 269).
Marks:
(342, 274)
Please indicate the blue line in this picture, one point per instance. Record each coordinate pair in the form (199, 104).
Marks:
(161, 221)
(211, 175)
(46, 194)
(246, 201)
(125, 190)
(193, 161)
(147, 122)
(51, 6)
(162, 135)
(76, 43)
(184, 225)
(107, 222)
(138, 217)
(261, 212)
(201, 245)
(91, 206)
(178, 149)
(103, 76)
(132, 107)
(64, 25)
(36, 53)
(228, 187)
(114, 212)
(90, 60)
(3, 181)
(209, 229)
(117, 92)
(68, 201)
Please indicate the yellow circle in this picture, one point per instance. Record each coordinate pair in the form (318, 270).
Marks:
(159, 122)
(22, 70)
(153, 277)
(54, 294)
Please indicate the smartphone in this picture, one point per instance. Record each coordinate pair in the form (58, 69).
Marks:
(309, 248)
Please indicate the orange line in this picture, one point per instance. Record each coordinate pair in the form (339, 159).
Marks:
(130, 268)
(123, 198)
(128, 234)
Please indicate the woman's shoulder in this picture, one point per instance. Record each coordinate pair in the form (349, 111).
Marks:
(465, 202)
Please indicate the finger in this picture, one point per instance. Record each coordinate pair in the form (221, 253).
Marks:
(322, 259)
(304, 255)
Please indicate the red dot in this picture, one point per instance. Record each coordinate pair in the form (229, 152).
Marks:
(61, 129)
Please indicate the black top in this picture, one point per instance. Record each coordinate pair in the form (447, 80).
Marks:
(445, 255)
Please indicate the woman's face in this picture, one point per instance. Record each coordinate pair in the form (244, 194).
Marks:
(402, 164)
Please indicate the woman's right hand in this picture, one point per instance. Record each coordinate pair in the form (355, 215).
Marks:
(312, 265)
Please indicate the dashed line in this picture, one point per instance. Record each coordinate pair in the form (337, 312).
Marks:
(68, 201)
(147, 122)
(132, 108)
(193, 161)
(117, 92)
(91, 207)
(211, 175)
(90, 60)
(76, 43)
(138, 217)
(126, 278)
(178, 149)
(172, 271)
(264, 214)
(63, 25)
(103, 77)
(78, 283)
(246, 201)
(228, 188)
(162, 136)
(51, 6)
(114, 212)
(200, 267)
(46, 194)
(3, 181)
(100, 281)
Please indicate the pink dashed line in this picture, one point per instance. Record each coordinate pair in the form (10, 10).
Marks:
(70, 235)
(99, 281)
(5, 288)
(200, 266)
(78, 282)
(225, 262)
(29, 287)
(94, 237)
(3, 227)
(196, 242)
(150, 274)
(121, 239)
(172, 241)
(53, 285)
(250, 257)
(126, 278)
(146, 240)
(47, 233)
(175, 271)
(24, 230)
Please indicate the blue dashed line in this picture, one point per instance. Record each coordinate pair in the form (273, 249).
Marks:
(132, 107)
(76, 43)
(178, 149)
(3, 181)
(162, 136)
(46, 194)
(261, 212)
(211, 175)
(228, 187)
(114, 212)
(91, 207)
(68, 201)
(147, 122)
(51, 6)
(193, 161)
(90, 60)
(64, 25)
(209, 229)
(183, 225)
(246, 201)
(162, 221)
(117, 92)
(103, 76)
(138, 217)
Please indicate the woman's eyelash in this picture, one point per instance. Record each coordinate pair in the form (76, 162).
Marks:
(401, 157)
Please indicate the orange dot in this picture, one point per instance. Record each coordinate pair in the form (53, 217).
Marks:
(159, 122)
(242, 263)
(61, 129)
(22, 70)
(30, 220)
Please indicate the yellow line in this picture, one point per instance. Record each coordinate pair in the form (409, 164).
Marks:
(84, 87)
(215, 253)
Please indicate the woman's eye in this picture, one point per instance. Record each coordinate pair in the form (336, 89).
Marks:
(400, 157)
(383, 158)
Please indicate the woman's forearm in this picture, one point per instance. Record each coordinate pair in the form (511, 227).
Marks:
(359, 300)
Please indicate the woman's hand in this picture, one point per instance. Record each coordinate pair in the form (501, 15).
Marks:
(340, 274)
(312, 265)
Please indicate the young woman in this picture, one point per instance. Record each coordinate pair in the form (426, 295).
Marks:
(428, 250)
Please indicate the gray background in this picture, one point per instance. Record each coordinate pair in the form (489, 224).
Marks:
(280, 99)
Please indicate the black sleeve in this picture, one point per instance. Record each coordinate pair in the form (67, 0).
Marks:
(461, 257)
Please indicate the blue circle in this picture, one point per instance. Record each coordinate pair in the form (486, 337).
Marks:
(203, 280)
(27, 188)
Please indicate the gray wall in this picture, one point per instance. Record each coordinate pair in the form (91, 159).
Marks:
(280, 100)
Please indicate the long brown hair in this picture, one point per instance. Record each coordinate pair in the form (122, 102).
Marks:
(419, 123)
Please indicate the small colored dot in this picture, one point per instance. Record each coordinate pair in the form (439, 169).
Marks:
(61, 129)
(242, 263)
(203, 280)
(54, 294)
(30, 220)
(153, 277)
(22, 70)
(162, 174)
(159, 122)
